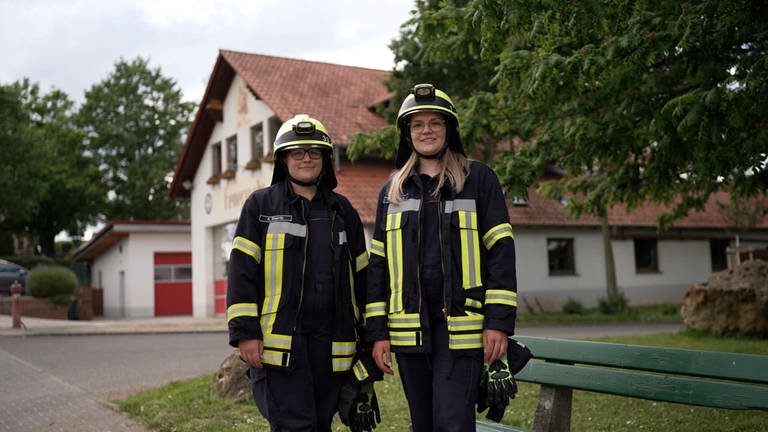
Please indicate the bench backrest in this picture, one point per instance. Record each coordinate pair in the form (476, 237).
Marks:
(693, 377)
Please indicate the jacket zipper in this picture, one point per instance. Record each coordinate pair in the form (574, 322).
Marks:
(440, 243)
(418, 251)
(303, 269)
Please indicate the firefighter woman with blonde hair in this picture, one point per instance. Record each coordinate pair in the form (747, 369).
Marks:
(296, 291)
(442, 291)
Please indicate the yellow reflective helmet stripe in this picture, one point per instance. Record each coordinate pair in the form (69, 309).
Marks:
(499, 296)
(496, 233)
(248, 247)
(242, 309)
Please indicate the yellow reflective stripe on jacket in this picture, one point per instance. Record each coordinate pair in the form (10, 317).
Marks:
(361, 261)
(497, 296)
(496, 233)
(277, 349)
(248, 247)
(361, 373)
(276, 358)
(394, 250)
(466, 211)
(274, 251)
(395, 261)
(352, 295)
(342, 354)
(465, 332)
(242, 309)
(273, 279)
(375, 309)
(377, 248)
(405, 329)
(472, 303)
(470, 250)
(404, 337)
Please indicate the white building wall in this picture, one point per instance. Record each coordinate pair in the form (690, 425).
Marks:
(681, 263)
(216, 205)
(105, 274)
(127, 272)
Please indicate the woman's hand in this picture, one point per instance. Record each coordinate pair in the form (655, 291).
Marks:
(383, 356)
(251, 351)
(494, 345)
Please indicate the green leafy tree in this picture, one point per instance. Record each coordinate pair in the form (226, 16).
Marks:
(639, 102)
(54, 186)
(21, 159)
(634, 102)
(134, 122)
(435, 46)
(71, 195)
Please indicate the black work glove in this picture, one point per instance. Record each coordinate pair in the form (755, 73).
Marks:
(482, 391)
(365, 413)
(497, 387)
(359, 406)
(501, 383)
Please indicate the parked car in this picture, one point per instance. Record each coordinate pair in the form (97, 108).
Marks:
(10, 272)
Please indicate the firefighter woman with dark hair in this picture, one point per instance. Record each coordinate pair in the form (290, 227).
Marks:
(296, 290)
(442, 291)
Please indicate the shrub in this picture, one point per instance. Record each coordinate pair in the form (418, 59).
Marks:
(573, 307)
(47, 281)
(611, 307)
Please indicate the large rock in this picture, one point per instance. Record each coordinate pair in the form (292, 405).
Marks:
(230, 381)
(730, 301)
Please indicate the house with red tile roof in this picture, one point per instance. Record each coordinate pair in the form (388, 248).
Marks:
(227, 155)
(228, 152)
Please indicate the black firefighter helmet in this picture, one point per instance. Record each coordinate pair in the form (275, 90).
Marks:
(303, 130)
(425, 97)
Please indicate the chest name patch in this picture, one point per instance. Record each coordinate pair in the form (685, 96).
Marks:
(275, 218)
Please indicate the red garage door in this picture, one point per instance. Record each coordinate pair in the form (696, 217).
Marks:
(173, 283)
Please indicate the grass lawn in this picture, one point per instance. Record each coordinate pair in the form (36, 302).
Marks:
(191, 405)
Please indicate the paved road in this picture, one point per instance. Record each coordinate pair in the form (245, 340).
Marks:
(64, 382)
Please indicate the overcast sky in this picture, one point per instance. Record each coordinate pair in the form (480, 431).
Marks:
(74, 44)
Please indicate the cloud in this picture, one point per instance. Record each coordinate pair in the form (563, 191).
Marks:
(73, 45)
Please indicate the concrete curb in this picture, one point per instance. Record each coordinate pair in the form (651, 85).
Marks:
(48, 327)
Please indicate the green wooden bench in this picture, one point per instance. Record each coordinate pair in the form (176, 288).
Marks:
(703, 378)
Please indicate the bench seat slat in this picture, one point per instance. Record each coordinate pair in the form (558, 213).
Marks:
(711, 364)
(708, 393)
(484, 426)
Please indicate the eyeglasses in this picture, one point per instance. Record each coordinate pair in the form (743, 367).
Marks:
(298, 153)
(434, 125)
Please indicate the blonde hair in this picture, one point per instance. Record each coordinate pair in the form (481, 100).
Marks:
(455, 168)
